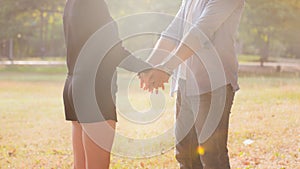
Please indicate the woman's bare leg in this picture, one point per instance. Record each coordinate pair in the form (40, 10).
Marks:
(78, 149)
(97, 140)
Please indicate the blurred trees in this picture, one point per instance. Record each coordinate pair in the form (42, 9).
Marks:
(35, 27)
(268, 27)
(271, 28)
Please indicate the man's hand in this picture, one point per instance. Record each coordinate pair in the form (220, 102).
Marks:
(153, 79)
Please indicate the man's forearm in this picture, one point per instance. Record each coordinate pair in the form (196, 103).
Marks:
(201, 32)
(182, 53)
(162, 50)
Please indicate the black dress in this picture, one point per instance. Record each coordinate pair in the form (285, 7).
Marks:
(81, 19)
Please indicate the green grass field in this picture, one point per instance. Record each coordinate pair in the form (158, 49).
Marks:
(34, 133)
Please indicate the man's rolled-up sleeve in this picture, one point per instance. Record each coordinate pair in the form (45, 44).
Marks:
(174, 30)
(214, 15)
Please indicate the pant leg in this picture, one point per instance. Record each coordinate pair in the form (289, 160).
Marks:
(215, 147)
(186, 138)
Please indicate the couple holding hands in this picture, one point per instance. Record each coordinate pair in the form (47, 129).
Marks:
(197, 50)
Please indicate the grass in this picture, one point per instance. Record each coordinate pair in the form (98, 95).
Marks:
(34, 133)
(38, 58)
(242, 58)
(33, 69)
(248, 58)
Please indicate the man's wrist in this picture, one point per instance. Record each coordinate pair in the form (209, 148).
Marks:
(164, 68)
(171, 64)
(144, 71)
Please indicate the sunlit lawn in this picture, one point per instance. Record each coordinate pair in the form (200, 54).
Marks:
(34, 133)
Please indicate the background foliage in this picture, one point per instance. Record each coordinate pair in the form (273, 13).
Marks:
(268, 27)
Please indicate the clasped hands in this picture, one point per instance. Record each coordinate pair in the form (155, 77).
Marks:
(153, 79)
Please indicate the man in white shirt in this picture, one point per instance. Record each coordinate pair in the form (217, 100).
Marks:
(198, 50)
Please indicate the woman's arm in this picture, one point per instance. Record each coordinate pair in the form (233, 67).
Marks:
(132, 63)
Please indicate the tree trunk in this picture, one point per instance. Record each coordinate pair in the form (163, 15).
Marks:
(265, 51)
(42, 47)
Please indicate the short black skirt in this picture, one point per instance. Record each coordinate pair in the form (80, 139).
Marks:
(105, 100)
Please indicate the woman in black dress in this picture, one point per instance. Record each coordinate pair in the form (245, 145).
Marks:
(82, 18)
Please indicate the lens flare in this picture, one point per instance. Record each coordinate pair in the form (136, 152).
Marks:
(200, 150)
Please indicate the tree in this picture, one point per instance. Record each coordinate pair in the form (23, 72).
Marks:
(29, 22)
(36, 25)
(268, 27)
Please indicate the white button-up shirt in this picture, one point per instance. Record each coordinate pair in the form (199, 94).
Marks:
(214, 24)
